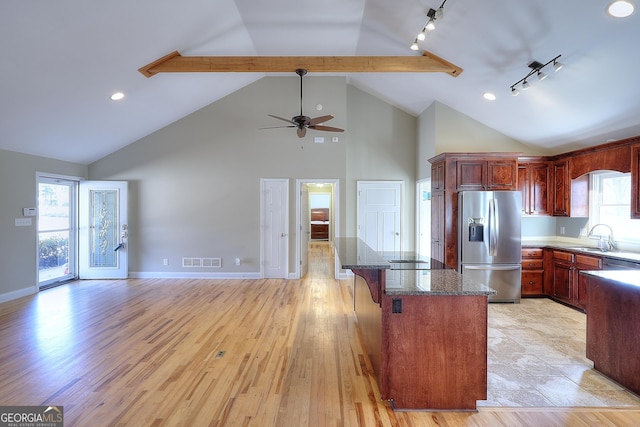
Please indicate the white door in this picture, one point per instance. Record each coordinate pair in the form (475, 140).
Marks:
(380, 214)
(103, 232)
(275, 227)
(305, 230)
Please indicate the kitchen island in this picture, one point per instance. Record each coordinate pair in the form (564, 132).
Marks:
(613, 325)
(424, 327)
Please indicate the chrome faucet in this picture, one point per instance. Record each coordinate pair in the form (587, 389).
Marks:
(604, 245)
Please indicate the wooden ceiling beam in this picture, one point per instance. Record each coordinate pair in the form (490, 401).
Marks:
(425, 63)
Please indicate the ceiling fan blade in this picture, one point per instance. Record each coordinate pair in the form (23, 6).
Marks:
(279, 127)
(281, 118)
(302, 131)
(320, 119)
(326, 128)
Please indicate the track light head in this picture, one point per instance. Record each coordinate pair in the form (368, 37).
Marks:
(514, 91)
(525, 85)
(557, 65)
(414, 45)
(423, 34)
(541, 75)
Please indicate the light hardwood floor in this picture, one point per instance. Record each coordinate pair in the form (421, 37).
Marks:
(216, 352)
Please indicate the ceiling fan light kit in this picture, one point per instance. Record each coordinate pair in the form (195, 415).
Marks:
(536, 68)
(432, 16)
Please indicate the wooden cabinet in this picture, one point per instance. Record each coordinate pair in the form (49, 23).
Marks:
(570, 196)
(437, 225)
(481, 174)
(635, 181)
(532, 272)
(534, 183)
(568, 284)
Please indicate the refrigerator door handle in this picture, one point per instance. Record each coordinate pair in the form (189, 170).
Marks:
(491, 267)
(494, 230)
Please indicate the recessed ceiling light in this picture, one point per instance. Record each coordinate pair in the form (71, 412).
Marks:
(489, 96)
(620, 9)
(117, 96)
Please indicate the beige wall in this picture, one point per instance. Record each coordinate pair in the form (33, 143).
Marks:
(195, 184)
(443, 129)
(18, 189)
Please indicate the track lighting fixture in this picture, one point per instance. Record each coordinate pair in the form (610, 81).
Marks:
(536, 68)
(432, 16)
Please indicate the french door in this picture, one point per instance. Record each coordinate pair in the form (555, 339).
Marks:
(103, 230)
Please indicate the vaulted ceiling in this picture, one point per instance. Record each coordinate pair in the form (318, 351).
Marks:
(62, 59)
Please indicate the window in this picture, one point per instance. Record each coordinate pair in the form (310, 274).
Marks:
(611, 205)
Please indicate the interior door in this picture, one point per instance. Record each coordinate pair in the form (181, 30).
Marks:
(103, 230)
(275, 227)
(305, 230)
(380, 214)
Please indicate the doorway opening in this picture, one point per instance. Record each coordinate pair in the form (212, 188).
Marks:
(317, 217)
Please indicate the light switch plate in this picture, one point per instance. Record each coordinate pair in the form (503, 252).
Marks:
(23, 222)
(318, 139)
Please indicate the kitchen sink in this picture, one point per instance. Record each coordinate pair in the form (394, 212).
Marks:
(592, 250)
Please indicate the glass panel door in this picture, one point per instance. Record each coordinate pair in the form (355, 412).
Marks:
(56, 231)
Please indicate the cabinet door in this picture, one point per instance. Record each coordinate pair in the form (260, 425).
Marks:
(437, 176)
(635, 181)
(471, 174)
(523, 187)
(437, 225)
(531, 282)
(539, 189)
(502, 175)
(561, 188)
(562, 281)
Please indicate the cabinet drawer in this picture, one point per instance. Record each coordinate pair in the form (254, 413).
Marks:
(531, 253)
(563, 256)
(532, 264)
(585, 262)
(532, 283)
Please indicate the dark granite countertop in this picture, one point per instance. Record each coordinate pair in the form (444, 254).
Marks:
(434, 282)
(409, 274)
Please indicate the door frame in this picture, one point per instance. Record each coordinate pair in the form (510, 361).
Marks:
(335, 217)
(74, 211)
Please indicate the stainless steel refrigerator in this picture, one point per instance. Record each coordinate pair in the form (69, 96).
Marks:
(489, 246)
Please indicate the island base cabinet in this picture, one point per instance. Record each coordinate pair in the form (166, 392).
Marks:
(613, 330)
(434, 352)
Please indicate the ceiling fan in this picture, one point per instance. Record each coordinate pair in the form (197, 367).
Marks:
(302, 122)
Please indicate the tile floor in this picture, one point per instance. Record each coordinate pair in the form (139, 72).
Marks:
(537, 359)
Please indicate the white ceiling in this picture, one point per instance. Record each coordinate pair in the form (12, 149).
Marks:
(62, 59)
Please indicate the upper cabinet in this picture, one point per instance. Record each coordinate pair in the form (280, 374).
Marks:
(570, 196)
(487, 174)
(482, 171)
(534, 181)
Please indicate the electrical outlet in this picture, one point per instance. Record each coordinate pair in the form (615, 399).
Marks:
(165, 261)
(562, 231)
(237, 261)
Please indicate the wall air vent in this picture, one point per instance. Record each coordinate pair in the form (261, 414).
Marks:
(202, 262)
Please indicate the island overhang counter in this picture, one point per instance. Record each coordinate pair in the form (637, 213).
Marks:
(424, 327)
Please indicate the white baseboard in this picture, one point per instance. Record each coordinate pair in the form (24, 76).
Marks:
(182, 275)
(18, 294)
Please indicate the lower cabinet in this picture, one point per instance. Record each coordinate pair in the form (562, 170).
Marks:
(532, 272)
(567, 284)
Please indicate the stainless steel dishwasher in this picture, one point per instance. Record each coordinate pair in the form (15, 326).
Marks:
(620, 264)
